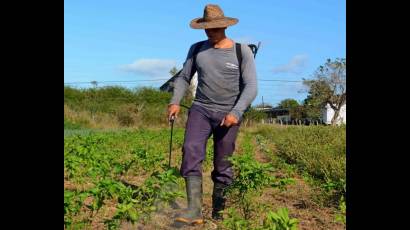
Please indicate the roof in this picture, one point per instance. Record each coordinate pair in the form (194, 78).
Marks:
(168, 86)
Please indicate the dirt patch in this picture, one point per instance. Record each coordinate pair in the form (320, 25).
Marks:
(106, 212)
(72, 186)
(297, 198)
(133, 180)
(259, 155)
(164, 218)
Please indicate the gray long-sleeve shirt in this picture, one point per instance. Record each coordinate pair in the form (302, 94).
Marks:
(218, 79)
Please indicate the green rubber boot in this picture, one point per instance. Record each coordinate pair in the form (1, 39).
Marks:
(218, 200)
(192, 215)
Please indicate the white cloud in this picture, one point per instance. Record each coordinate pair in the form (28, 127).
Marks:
(150, 67)
(295, 65)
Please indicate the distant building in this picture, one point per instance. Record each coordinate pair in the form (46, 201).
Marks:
(276, 113)
(168, 86)
(328, 112)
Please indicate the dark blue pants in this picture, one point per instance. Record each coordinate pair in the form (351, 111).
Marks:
(201, 124)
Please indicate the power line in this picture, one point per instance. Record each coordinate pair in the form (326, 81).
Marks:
(276, 85)
(260, 86)
(98, 82)
(278, 80)
(151, 80)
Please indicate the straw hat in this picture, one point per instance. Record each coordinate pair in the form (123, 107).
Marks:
(213, 18)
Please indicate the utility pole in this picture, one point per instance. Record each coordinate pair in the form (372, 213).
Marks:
(263, 105)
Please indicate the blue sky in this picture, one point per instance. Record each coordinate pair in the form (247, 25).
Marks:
(129, 40)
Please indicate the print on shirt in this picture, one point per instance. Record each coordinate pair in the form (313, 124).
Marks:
(231, 66)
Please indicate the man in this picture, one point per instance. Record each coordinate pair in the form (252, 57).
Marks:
(223, 93)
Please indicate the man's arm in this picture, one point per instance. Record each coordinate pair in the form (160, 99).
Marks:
(183, 80)
(250, 85)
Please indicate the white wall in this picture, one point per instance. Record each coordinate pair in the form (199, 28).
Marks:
(194, 83)
(328, 112)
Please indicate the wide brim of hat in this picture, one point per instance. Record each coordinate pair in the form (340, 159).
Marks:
(199, 23)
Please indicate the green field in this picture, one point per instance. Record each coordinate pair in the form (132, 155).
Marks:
(119, 178)
(116, 175)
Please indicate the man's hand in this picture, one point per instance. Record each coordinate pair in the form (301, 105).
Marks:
(229, 120)
(173, 110)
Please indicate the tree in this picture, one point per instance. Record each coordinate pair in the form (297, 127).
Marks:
(295, 110)
(312, 107)
(328, 87)
(253, 115)
(288, 104)
(173, 71)
(94, 83)
(316, 99)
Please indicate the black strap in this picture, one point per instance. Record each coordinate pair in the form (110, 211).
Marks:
(241, 85)
(197, 47)
(239, 56)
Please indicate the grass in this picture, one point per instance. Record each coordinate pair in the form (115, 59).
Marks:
(318, 152)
